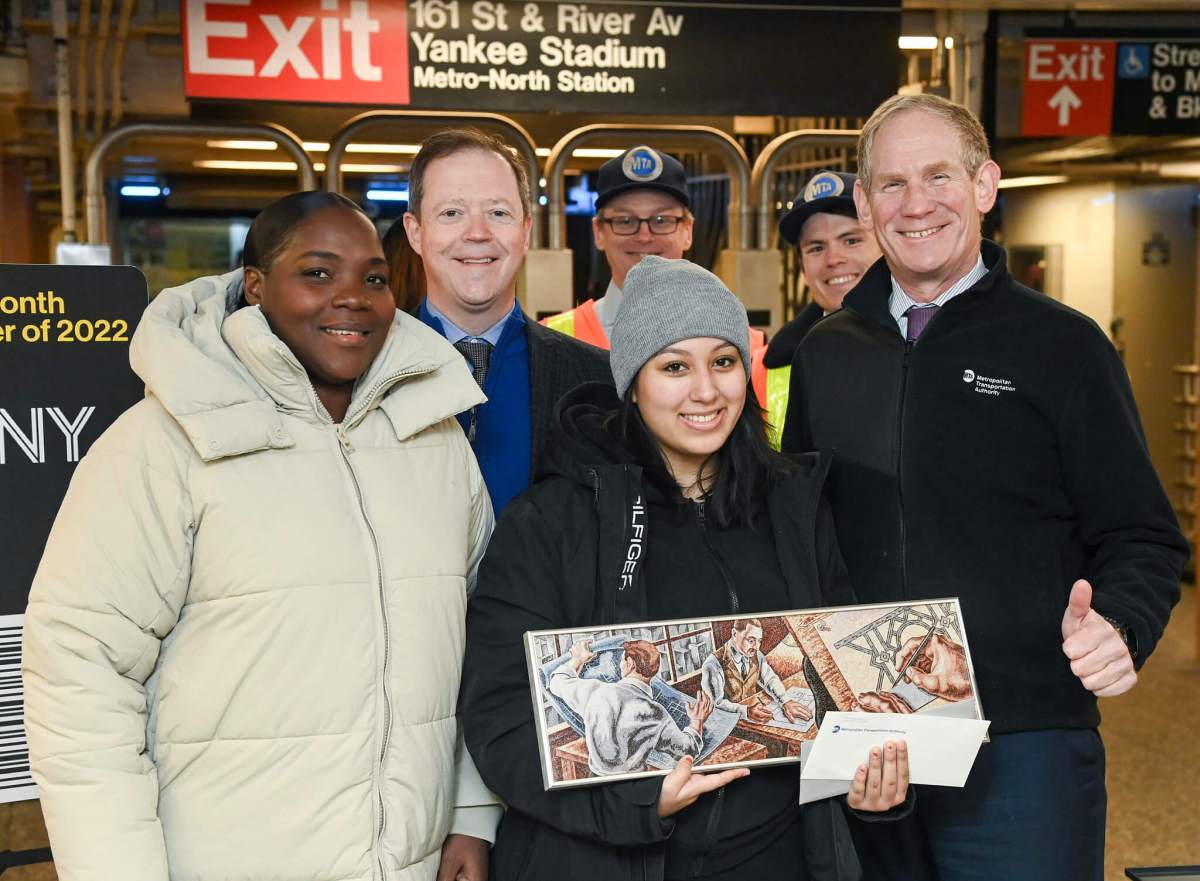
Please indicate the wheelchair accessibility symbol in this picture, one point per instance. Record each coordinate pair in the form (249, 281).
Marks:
(1133, 61)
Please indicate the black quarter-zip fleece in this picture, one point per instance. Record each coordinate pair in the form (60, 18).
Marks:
(998, 460)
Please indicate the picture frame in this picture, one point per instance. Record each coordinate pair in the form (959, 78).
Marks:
(627, 701)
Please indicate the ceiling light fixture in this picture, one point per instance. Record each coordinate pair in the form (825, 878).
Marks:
(143, 191)
(919, 42)
(241, 144)
(1033, 180)
(1179, 169)
(381, 195)
(244, 165)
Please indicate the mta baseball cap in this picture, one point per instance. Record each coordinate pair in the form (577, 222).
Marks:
(828, 192)
(642, 168)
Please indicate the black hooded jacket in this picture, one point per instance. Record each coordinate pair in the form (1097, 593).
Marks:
(558, 559)
(782, 350)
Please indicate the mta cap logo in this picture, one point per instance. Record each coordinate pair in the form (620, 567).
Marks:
(823, 186)
(642, 164)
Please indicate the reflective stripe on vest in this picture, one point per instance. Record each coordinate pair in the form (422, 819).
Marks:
(564, 322)
(582, 322)
(779, 382)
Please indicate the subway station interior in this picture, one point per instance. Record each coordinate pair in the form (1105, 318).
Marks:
(128, 137)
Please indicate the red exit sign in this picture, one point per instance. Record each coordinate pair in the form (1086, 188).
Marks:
(1068, 87)
(338, 51)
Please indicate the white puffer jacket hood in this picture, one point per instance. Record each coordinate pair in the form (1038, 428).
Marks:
(243, 645)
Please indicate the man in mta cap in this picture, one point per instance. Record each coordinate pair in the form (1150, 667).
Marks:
(641, 208)
(835, 250)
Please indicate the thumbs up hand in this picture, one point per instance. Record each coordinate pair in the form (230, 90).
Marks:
(1099, 657)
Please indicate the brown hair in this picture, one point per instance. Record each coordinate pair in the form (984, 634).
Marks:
(741, 624)
(406, 272)
(972, 140)
(644, 655)
(455, 140)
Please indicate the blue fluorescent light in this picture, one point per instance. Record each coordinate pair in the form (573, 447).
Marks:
(387, 195)
(141, 191)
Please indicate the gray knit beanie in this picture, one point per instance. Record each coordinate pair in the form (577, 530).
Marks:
(666, 301)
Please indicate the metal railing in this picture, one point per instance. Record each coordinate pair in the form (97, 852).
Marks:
(762, 176)
(94, 174)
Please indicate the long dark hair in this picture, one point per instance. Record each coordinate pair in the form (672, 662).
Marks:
(746, 466)
(275, 225)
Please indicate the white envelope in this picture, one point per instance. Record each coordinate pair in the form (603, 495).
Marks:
(941, 750)
(815, 790)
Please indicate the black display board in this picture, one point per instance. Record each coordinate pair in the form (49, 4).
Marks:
(1149, 82)
(64, 359)
(64, 378)
(1157, 90)
(696, 58)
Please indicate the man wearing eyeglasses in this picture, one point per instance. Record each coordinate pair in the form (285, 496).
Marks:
(641, 208)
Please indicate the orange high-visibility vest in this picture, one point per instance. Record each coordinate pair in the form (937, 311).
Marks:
(770, 386)
(581, 323)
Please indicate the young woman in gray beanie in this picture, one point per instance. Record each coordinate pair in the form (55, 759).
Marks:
(661, 499)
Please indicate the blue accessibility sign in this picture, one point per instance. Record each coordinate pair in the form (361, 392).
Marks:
(1133, 61)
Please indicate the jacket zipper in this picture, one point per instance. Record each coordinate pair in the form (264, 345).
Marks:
(908, 347)
(731, 590)
(718, 808)
(346, 449)
(383, 382)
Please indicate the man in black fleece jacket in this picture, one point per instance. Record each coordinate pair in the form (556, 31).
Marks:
(987, 446)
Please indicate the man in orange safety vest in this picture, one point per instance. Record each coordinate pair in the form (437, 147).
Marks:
(642, 207)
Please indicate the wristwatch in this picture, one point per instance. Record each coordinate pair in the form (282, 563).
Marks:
(1127, 636)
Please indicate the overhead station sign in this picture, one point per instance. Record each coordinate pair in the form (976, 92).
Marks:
(626, 56)
(1158, 88)
(296, 50)
(1082, 87)
(1068, 87)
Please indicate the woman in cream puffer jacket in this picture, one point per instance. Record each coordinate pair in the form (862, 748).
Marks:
(243, 645)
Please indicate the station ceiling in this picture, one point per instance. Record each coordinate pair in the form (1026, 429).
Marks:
(133, 72)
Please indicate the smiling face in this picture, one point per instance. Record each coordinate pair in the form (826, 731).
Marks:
(923, 206)
(835, 251)
(326, 296)
(690, 396)
(624, 252)
(472, 236)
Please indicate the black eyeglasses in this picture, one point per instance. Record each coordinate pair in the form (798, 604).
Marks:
(659, 224)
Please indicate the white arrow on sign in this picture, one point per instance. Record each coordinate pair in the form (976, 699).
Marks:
(1064, 101)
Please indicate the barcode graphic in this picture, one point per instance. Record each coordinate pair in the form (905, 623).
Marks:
(15, 782)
